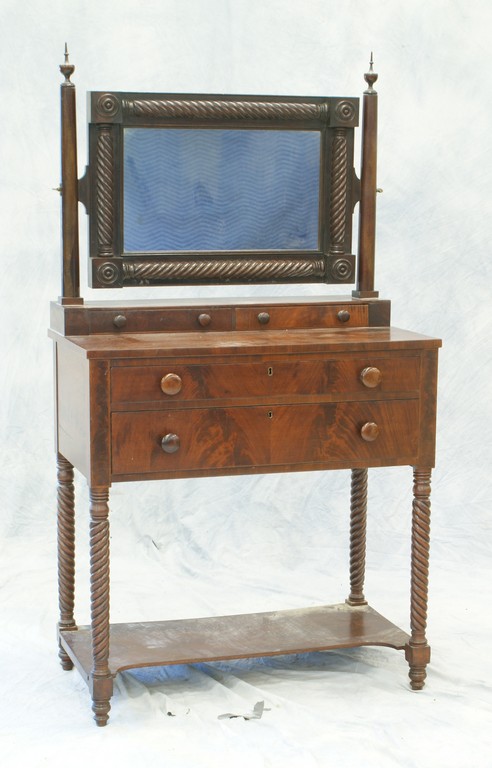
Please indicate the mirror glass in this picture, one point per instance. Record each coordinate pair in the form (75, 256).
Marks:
(220, 189)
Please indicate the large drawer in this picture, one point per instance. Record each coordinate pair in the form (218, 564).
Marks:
(342, 377)
(221, 438)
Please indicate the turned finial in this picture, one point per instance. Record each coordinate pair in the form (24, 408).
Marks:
(370, 77)
(66, 68)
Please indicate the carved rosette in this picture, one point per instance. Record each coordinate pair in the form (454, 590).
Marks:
(108, 274)
(231, 110)
(341, 269)
(224, 269)
(358, 516)
(104, 191)
(107, 105)
(345, 112)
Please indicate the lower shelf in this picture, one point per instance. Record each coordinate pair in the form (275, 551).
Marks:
(187, 641)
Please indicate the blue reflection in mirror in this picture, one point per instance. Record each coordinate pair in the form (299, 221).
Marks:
(220, 190)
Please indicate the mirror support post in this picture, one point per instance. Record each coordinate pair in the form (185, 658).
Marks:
(69, 191)
(367, 205)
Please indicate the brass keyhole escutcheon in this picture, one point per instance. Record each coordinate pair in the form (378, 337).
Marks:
(270, 414)
(270, 370)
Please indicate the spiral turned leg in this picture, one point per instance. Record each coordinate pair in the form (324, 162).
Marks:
(358, 516)
(66, 551)
(417, 651)
(101, 678)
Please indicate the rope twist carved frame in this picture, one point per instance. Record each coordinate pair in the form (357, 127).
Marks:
(331, 263)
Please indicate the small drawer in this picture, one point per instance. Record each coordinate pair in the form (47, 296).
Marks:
(169, 320)
(303, 316)
(149, 442)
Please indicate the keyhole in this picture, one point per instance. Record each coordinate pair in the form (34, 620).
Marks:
(270, 414)
(270, 371)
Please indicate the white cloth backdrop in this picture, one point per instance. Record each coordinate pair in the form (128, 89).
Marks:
(203, 547)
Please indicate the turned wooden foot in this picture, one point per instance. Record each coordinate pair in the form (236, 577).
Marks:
(66, 552)
(418, 656)
(65, 659)
(101, 712)
(417, 651)
(417, 676)
(102, 690)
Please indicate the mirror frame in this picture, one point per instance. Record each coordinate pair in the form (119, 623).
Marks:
(102, 189)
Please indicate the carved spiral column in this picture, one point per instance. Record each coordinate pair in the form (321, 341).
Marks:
(230, 110)
(358, 516)
(418, 652)
(104, 190)
(99, 542)
(338, 195)
(66, 550)
(258, 269)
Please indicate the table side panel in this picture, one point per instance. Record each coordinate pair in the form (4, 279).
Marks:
(83, 413)
(73, 406)
(100, 423)
(428, 409)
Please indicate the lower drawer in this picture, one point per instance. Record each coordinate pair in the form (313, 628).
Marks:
(220, 438)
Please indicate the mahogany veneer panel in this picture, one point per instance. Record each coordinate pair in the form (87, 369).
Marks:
(243, 380)
(186, 641)
(161, 320)
(178, 315)
(262, 436)
(293, 341)
(300, 317)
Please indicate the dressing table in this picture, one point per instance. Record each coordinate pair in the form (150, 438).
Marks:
(212, 189)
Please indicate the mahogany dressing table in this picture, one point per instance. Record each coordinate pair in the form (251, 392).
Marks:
(177, 193)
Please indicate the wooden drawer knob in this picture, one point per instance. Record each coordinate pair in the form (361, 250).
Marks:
(344, 316)
(369, 431)
(170, 443)
(263, 318)
(371, 377)
(204, 319)
(171, 384)
(119, 321)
